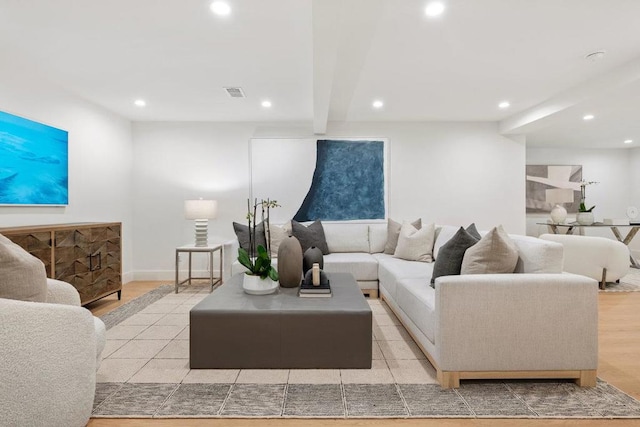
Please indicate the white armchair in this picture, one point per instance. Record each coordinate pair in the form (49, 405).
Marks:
(602, 259)
(49, 355)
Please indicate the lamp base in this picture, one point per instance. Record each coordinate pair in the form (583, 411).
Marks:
(558, 214)
(202, 233)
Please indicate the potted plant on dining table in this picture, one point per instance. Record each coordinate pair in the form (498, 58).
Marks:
(585, 216)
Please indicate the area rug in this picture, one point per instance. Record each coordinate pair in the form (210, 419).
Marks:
(135, 305)
(145, 374)
(512, 399)
(629, 283)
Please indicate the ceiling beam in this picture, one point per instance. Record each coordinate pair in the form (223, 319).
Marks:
(542, 115)
(359, 28)
(325, 17)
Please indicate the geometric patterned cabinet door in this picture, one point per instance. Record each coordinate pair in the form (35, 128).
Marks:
(87, 255)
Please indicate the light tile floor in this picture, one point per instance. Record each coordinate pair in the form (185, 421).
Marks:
(152, 346)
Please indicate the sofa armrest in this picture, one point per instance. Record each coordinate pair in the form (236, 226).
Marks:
(48, 367)
(59, 292)
(230, 251)
(590, 255)
(516, 322)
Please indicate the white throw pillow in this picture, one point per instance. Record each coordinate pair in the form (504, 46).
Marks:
(415, 244)
(495, 253)
(278, 233)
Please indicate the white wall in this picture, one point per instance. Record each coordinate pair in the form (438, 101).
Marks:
(100, 155)
(179, 161)
(634, 178)
(453, 173)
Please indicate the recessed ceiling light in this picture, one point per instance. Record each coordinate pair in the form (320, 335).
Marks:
(377, 104)
(504, 104)
(435, 8)
(266, 103)
(628, 141)
(140, 103)
(220, 8)
(588, 117)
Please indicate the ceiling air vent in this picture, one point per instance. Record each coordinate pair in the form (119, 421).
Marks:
(234, 92)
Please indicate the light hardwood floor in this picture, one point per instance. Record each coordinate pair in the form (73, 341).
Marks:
(619, 364)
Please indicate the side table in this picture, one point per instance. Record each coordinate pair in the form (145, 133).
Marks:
(190, 249)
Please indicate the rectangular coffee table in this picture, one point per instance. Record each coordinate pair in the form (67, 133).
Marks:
(230, 329)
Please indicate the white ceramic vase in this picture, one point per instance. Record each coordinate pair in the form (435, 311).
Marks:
(585, 218)
(558, 214)
(255, 285)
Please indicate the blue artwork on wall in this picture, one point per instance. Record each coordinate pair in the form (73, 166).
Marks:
(348, 182)
(33, 163)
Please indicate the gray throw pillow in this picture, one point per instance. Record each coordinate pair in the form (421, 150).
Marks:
(22, 276)
(313, 235)
(449, 261)
(471, 229)
(242, 233)
(393, 232)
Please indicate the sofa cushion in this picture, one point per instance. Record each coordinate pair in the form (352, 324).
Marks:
(363, 266)
(415, 244)
(22, 276)
(391, 269)
(242, 233)
(393, 232)
(347, 237)
(449, 262)
(313, 235)
(377, 238)
(417, 300)
(494, 253)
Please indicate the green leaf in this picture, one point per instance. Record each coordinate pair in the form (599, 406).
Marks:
(273, 274)
(262, 251)
(243, 258)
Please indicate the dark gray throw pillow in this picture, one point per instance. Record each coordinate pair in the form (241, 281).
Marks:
(473, 231)
(313, 235)
(449, 261)
(242, 233)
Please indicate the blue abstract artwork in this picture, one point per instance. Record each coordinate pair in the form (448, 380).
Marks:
(34, 163)
(348, 182)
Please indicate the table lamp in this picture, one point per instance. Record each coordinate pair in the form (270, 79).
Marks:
(201, 211)
(558, 196)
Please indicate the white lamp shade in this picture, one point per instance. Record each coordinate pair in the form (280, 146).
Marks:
(559, 195)
(200, 209)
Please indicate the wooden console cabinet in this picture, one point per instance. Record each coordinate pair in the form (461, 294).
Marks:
(87, 255)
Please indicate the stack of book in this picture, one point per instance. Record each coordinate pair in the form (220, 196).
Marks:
(308, 290)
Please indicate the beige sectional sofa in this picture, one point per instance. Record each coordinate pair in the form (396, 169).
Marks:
(537, 322)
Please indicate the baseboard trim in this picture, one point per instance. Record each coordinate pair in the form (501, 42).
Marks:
(170, 275)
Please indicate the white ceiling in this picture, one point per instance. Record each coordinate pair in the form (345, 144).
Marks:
(320, 60)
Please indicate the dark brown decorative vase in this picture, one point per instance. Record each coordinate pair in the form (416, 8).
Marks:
(311, 256)
(290, 262)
